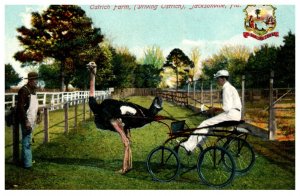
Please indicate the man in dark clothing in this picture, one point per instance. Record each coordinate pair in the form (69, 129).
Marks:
(27, 111)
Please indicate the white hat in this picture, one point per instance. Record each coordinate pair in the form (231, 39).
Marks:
(221, 73)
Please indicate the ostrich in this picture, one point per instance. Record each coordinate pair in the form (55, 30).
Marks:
(120, 116)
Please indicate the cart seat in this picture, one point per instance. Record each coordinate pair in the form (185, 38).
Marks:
(177, 126)
(230, 123)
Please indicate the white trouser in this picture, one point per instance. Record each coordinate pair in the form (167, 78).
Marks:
(232, 115)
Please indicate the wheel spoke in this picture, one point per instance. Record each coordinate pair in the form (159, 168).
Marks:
(211, 167)
(163, 164)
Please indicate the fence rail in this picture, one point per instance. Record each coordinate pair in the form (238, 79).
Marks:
(55, 100)
(207, 96)
(66, 118)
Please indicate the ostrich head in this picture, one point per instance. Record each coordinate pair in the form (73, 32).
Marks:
(156, 106)
(92, 67)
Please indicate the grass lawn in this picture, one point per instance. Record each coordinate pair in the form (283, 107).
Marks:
(87, 158)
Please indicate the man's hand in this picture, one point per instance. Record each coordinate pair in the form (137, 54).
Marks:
(213, 111)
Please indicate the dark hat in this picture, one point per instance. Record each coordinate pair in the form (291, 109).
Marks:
(32, 76)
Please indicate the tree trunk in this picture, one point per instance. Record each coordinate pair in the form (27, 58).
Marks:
(62, 75)
(67, 87)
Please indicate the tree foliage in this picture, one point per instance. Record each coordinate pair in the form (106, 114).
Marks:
(123, 66)
(62, 32)
(11, 76)
(232, 58)
(259, 65)
(103, 56)
(181, 64)
(146, 76)
(49, 73)
(285, 71)
(256, 66)
(279, 59)
(153, 55)
(211, 66)
(195, 57)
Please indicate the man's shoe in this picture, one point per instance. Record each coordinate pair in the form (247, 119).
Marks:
(176, 148)
(200, 147)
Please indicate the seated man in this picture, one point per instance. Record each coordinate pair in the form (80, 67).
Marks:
(231, 110)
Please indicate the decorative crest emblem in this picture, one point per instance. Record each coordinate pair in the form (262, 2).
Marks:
(260, 21)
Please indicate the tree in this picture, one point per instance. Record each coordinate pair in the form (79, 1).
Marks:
(180, 63)
(11, 76)
(153, 56)
(257, 12)
(103, 56)
(195, 57)
(259, 65)
(285, 66)
(62, 32)
(49, 73)
(279, 59)
(232, 58)
(212, 65)
(237, 57)
(123, 65)
(146, 76)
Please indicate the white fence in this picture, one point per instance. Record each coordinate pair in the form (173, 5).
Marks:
(56, 99)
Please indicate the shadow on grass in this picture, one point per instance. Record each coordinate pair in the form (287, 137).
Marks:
(139, 170)
(279, 153)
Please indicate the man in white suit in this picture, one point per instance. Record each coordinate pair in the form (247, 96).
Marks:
(231, 110)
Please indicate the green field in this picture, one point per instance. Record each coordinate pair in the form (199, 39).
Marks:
(87, 158)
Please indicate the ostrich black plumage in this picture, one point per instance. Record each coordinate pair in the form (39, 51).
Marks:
(120, 116)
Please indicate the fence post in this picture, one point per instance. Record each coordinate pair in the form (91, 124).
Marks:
(44, 99)
(46, 125)
(243, 96)
(271, 124)
(202, 101)
(188, 94)
(75, 119)
(13, 100)
(66, 108)
(194, 95)
(211, 95)
(83, 109)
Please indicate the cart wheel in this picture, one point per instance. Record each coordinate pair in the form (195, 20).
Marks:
(212, 169)
(242, 154)
(163, 164)
(188, 160)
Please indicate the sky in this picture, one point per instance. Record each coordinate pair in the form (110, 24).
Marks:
(167, 27)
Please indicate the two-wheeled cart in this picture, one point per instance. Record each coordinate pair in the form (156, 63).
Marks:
(224, 154)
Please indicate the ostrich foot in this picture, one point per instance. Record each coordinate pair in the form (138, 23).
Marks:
(123, 171)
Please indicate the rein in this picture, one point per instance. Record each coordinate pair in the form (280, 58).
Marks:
(191, 115)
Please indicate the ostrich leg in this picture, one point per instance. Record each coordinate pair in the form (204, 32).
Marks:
(117, 124)
(128, 135)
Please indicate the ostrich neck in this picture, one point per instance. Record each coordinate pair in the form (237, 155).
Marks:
(92, 84)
